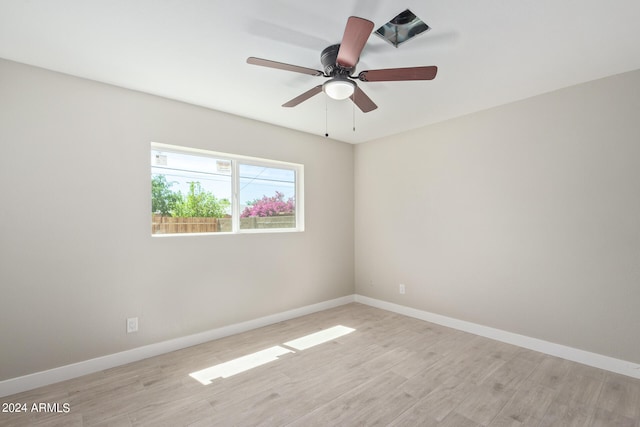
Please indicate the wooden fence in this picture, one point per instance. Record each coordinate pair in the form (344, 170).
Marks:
(169, 225)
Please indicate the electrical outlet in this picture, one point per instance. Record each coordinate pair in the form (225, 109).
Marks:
(401, 289)
(132, 324)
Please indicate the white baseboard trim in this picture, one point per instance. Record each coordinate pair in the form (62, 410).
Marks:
(595, 360)
(62, 373)
(39, 379)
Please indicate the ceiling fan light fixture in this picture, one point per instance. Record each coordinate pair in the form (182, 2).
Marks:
(339, 88)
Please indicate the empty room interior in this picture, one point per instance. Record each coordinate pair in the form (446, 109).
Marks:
(338, 213)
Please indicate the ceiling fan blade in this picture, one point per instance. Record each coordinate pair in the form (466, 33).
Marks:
(301, 98)
(355, 36)
(399, 74)
(363, 102)
(283, 66)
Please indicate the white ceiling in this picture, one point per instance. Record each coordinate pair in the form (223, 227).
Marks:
(488, 52)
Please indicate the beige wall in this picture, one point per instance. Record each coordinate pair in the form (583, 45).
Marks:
(76, 254)
(524, 217)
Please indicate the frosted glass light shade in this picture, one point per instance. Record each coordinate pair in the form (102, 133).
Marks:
(339, 88)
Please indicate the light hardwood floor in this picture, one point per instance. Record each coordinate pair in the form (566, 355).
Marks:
(392, 370)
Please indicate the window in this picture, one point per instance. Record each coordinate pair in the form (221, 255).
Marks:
(198, 191)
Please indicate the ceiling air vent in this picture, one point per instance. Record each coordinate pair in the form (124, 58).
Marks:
(403, 27)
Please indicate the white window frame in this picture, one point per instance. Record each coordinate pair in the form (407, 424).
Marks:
(236, 160)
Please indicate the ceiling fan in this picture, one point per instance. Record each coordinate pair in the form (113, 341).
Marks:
(339, 62)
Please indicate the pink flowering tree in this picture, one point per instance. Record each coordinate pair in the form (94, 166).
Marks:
(270, 206)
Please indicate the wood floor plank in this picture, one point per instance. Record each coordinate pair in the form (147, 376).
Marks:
(438, 403)
(620, 395)
(527, 405)
(579, 390)
(378, 401)
(391, 370)
(305, 396)
(117, 421)
(456, 420)
(512, 373)
(551, 372)
(604, 418)
(484, 403)
(560, 414)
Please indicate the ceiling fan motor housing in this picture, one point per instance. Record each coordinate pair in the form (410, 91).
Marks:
(331, 68)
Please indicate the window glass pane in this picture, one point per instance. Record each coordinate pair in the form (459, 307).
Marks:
(267, 197)
(199, 191)
(190, 193)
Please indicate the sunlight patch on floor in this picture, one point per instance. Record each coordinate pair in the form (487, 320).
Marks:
(262, 357)
(319, 337)
(241, 364)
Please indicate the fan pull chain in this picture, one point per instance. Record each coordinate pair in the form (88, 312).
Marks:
(326, 118)
(353, 105)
